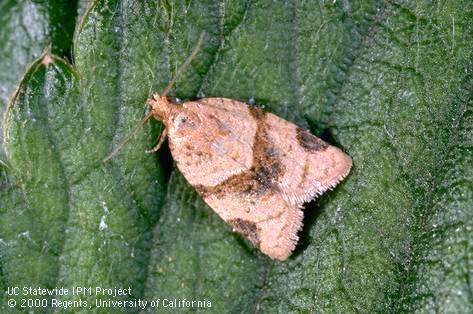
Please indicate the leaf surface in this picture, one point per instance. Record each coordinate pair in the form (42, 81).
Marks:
(27, 29)
(388, 81)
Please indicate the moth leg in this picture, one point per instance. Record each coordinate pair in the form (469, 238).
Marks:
(162, 138)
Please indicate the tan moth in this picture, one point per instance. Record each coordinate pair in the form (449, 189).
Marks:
(253, 168)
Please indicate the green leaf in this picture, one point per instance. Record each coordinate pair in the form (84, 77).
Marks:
(389, 82)
(27, 29)
(70, 220)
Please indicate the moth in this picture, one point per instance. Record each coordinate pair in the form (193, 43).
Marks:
(253, 168)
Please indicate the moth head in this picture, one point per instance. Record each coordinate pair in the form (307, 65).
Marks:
(162, 106)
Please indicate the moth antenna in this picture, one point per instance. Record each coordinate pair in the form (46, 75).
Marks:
(3, 164)
(128, 137)
(184, 65)
(165, 92)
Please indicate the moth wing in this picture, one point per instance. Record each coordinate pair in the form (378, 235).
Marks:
(253, 168)
(312, 166)
(214, 142)
(269, 222)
